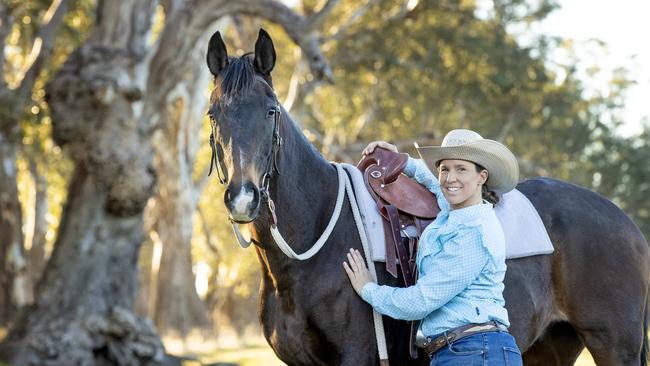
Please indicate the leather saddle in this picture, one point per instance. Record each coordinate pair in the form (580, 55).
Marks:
(406, 206)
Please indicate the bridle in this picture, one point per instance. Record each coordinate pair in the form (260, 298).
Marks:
(271, 163)
(270, 171)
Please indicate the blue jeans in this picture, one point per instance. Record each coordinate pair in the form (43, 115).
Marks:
(482, 349)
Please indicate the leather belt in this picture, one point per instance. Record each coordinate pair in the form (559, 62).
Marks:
(431, 346)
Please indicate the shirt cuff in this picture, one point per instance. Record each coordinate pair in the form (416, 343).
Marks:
(367, 290)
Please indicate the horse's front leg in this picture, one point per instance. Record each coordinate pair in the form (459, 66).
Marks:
(359, 356)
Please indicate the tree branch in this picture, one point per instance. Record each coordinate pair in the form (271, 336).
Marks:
(141, 27)
(294, 87)
(300, 29)
(339, 32)
(6, 22)
(316, 20)
(42, 49)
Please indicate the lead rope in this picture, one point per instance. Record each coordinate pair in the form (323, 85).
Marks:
(345, 186)
(379, 324)
(284, 246)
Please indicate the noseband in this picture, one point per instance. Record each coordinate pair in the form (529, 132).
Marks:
(271, 163)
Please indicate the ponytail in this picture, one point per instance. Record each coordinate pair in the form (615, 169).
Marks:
(488, 195)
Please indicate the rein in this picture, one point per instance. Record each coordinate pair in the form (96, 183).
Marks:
(265, 181)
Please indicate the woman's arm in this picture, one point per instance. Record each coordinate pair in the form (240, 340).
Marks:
(446, 274)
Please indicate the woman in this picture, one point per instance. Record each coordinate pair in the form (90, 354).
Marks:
(461, 255)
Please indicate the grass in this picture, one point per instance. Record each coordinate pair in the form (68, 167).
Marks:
(253, 355)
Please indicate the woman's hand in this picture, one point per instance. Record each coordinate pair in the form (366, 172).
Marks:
(357, 270)
(371, 147)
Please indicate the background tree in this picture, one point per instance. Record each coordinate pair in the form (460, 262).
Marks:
(105, 103)
(16, 102)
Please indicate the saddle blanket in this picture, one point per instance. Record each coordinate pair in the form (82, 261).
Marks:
(523, 228)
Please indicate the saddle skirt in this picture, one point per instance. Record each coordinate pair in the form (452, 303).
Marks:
(524, 230)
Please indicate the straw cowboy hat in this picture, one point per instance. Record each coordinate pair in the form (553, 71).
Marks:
(460, 144)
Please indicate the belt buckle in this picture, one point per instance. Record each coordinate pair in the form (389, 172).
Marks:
(440, 341)
(450, 337)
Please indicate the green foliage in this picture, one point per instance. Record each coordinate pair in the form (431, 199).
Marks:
(408, 75)
(37, 145)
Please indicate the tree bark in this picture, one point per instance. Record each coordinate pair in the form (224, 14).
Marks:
(106, 102)
(37, 237)
(146, 278)
(12, 258)
(178, 307)
(13, 275)
(84, 317)
(10, 210)
(83, 313)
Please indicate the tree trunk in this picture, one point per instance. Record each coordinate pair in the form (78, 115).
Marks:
(37, 236)
(178, 307)
(12, 259)
(85, 316)
(83, 313)
(143, 301)
(106, 101)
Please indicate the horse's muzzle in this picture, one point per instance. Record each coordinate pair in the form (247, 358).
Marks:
(242, 201)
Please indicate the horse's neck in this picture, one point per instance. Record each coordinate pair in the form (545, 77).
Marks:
(304, 195)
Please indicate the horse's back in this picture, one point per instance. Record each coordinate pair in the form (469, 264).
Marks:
(575, 217)
(597, 278)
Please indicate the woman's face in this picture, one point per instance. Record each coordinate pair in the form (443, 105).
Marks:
(461, 183)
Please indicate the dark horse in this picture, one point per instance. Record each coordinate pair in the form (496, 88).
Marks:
(592, 291)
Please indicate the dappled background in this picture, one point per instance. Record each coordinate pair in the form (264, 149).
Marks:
(111, 229)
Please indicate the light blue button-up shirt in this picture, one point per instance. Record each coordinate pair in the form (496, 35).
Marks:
(461, 266)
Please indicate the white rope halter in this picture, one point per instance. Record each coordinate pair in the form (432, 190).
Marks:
(344, 186)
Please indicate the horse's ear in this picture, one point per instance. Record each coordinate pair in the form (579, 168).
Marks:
(217, 54)
(264, 53)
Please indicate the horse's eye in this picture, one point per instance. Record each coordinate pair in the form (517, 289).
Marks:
(270, 113)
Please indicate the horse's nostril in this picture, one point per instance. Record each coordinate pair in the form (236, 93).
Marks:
(226, 196)
(255, 190)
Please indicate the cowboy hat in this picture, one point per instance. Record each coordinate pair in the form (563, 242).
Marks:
(461, 144)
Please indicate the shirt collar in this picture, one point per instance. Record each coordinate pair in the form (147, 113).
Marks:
(467, 214)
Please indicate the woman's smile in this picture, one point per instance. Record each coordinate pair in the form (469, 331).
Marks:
(461, 182)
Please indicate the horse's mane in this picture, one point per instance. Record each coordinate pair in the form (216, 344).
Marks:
(237, 78)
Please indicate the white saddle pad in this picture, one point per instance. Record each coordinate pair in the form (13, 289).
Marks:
(523, 228)
(369, 214)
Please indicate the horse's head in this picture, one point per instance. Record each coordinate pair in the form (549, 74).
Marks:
(244, 114)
